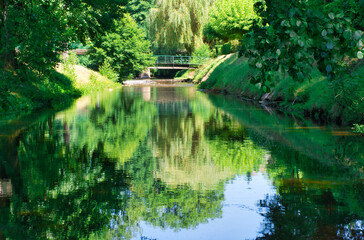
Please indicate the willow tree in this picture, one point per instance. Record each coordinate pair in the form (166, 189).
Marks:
(176, 25)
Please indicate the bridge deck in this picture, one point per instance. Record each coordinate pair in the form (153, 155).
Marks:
(178, 61)
(173, 67)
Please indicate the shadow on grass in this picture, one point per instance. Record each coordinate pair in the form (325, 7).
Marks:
(25, 91)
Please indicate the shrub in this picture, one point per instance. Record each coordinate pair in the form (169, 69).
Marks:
(107, 71)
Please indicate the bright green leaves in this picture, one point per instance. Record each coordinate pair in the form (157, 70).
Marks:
(125, 48)
(359, 54)
(230, 19)
(176, 25)
(38, 31)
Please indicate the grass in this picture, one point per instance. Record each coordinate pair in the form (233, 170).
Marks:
(87, 81)
(25, 91)
(207, 68)
(316, 97)
(232, 75)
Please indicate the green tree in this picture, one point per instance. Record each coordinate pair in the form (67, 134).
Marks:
(230, 19)
(33, 33)
(125, 48)
(294, 37)
(139, 10)
(176, 25)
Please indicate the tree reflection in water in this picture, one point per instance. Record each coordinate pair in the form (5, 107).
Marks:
(164, 156)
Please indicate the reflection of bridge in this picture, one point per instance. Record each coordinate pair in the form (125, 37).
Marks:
(174, 62)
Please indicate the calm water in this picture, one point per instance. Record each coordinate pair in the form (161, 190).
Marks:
(173, 163)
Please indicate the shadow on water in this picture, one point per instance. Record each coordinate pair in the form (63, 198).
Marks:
(164, 157)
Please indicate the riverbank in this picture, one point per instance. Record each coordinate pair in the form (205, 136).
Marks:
(339, 101)
(27, 92)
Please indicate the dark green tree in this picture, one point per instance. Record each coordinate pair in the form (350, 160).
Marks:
(139, 10)
(294, 37)
(33, 33)
(125, 48)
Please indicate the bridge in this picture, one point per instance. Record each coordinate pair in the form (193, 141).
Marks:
(174, 62)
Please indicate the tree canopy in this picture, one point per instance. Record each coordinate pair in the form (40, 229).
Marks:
(230, 19)
(33, 33)
(176, 25)
(125, 48)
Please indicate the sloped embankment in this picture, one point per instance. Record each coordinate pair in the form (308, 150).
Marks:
(340, 100)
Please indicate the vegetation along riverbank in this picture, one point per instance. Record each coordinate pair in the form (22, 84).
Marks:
(290, 56)
(36, 70)
(340, 101)
(304, 57)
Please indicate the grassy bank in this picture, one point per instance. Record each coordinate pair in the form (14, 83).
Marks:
(340, 100)
(25, 92)
(198, 75)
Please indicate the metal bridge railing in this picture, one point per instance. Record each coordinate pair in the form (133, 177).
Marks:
(179, 60)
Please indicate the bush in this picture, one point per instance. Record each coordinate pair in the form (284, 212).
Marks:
(107, 71)
(226, 49)
(203, 51)
(84, 60)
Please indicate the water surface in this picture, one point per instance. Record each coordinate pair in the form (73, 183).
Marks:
(162, 162)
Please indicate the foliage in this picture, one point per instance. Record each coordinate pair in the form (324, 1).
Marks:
(125, 48)
(354, 11)
(139, 10)
(294, 37)
(34, 33)
(338, 101)
(68, 65)
(84, 60)
(230, 19)
(202, 51)
(107, 71)
(176, 25)
(32, 36)
(358, 128)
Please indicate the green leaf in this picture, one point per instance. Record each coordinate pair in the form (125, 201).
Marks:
(331, 16)
(357, 35)
(347, 34)
(360, 55)
(324, 33)
(340, 15)
(301, 43)
(278, 52)
(360, 44)
(330, 45)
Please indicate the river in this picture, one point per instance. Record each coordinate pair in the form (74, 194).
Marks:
(169, 162)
